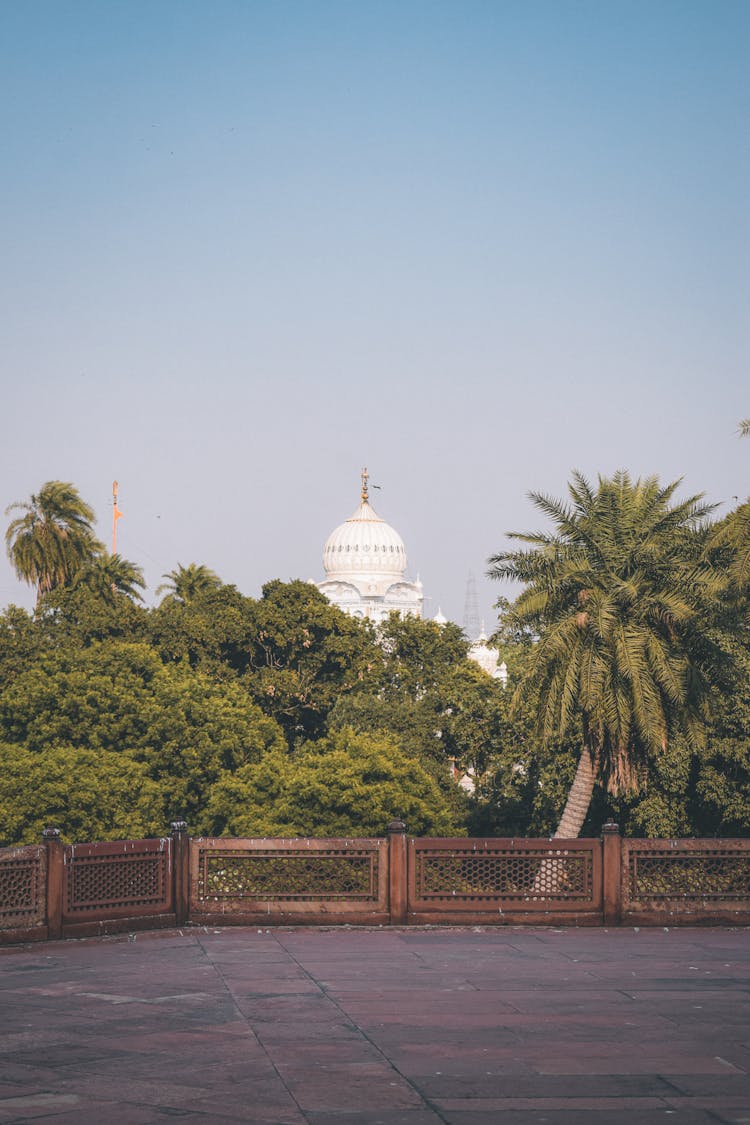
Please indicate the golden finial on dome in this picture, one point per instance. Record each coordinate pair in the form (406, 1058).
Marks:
(364, 493)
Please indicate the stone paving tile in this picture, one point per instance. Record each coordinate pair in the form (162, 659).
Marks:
(305, 1054)
(614, 1064)
(283, 1005)
(398, 978)
(584, 1029)
(507, 1082)
(709, 1084)
(330, 1031)
(453, 1007)
(541, 1104)
(266, 988)
(439, 1042)
(410, 1049)
(269, 970)
(28, 1107)
(726, 1103)
(64, 1054)
(350, 1086)
(478, 1022)
(129, 1113)
(474, 1115)
(376, 1117)
(129, 1086)
(560, 1002)
(159, 1067)
(190, 1044)
(257, 1106)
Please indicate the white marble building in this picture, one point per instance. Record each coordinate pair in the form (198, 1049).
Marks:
(365, 566)
(487, 658)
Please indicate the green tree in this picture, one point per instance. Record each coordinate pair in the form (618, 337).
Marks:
(305, 654)
(185, 584)
(87, 794)
(215, 632)
(78, 616)
(523, 789)
(475, 717)
(615, 600)
(729, 547)
(20, 643)
(417, 725)
(115, 697)
(53, 538)
(410, 689)
(719, 799)
(111, 577)
(347, 785)
(417, 655)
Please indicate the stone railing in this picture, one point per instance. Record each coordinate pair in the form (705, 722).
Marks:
(54, 890)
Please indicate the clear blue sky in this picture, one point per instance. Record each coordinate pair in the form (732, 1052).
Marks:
(249, 247)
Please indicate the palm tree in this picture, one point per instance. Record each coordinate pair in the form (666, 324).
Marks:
(53, 538)
(732, 540)
(187, 583)
(110, 576)
(614, 602)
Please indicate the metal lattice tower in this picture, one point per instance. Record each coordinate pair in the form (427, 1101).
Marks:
(471, 609)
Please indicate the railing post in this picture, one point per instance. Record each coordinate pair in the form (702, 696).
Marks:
(397, 872)
(55, 876)
(612, 874)
(180, 871)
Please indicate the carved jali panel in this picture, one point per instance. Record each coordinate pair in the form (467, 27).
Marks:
(708, 873)
(512, 874)
(304, 875)
(105, 880)
(23, 878)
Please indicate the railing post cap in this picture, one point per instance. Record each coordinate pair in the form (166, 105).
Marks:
(611, 828)
(179, 827)
(50, 833)
(396, 827)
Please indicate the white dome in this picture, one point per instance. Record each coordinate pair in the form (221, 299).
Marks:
(365, 565)
(365, 545)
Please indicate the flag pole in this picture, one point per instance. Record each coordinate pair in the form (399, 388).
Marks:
(116, 514)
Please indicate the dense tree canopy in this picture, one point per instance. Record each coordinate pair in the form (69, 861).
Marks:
(305, 654)
(119, 698)
(347, 785)
(282, 715)
(87, 794)
(213, 633)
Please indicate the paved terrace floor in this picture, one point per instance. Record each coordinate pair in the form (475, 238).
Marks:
(379, 1027)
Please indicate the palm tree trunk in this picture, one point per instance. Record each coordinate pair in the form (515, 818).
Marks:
(550, 877)
(579, 798)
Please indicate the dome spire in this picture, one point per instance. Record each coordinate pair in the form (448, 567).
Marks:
(364, 493)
